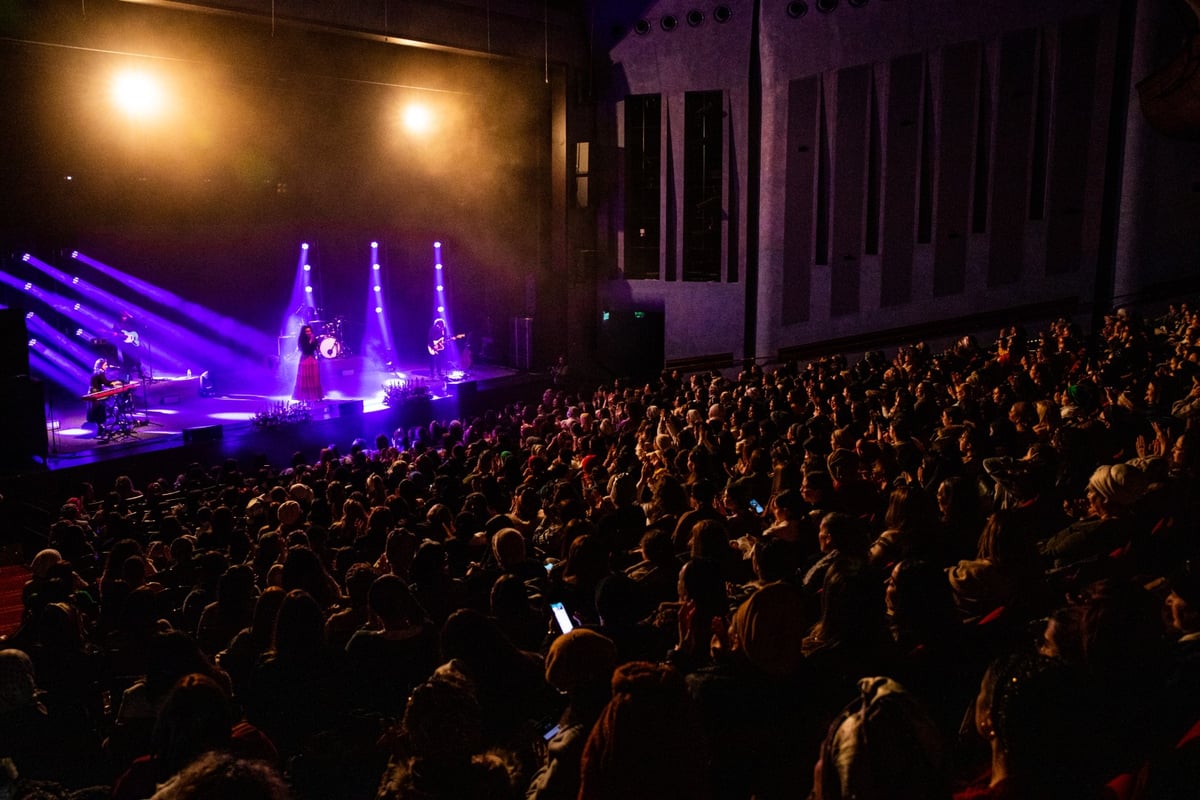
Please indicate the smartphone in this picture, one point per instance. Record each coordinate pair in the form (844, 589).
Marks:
(550, 734)
(562, 617)
(549, 566)
(756, 506)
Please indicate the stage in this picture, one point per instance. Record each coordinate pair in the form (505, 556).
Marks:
(253, 414)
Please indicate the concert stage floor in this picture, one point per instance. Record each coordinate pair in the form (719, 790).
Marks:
(169, 412)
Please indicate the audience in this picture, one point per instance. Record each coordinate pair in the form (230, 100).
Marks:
(757, 563)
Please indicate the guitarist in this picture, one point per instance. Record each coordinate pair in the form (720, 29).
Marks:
(437, 346)
(128, 341)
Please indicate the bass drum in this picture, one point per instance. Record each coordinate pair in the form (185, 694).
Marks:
(329, 347)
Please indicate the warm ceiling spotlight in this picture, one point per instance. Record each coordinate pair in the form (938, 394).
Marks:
(722, 13)
(641, 27)
(418, 118)
(669, 23)
(797, 9)
(695, 17)
(138, 94)
(825, 6)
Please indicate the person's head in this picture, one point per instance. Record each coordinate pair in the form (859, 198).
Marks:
(393, 604)
(581, 661)
(299, 626)
(909, 508)
(1183, 602)
(195, 717)
(650, 712)
(918, 596)
(844, 533)
(306, 330)
(882, 746)
(217, 774)
(701, 582)
(17, 685)
(1112, 489)
(1006, 541)
(852, 609)
(1035, 713)
(508, 545)
(767, 629)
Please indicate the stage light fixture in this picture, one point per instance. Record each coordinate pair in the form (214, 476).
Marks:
(826, 6)
(75, 281)
(441, 309)
(28, 286)
(375, 267)
(695, 17)
(722, 13)
(440, 287)
(378, 288)
(437, 245)
(378, 309)
(797, 9)
(641, 27)
(25, 257)
(138, 94)
(74, 254)
(669, 23)
(304, 246)
(308, 289)
(418, 118)
(374, 245)
(307, 267)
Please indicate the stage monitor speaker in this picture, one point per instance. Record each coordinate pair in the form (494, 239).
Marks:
(202, 433)
(630, 343)
(23, 428)
(350, 408)
(14, 343)
(468, 393)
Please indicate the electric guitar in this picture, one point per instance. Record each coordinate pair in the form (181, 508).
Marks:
(438, 345)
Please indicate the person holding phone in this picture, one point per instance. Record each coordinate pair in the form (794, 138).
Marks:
(580, 664)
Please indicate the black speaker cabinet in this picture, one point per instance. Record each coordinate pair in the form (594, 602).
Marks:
(23, 428)
(14, 343)
(202, 433)
(629, 343)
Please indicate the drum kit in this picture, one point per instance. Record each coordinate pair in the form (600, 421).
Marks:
(331, 337)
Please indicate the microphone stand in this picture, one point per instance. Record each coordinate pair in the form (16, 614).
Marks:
(146, 381)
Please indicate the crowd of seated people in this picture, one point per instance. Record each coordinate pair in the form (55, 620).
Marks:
(962, 574)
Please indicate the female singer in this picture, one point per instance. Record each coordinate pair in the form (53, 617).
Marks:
(308, 376)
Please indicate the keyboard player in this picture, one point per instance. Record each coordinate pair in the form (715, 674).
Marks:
(98, 409)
